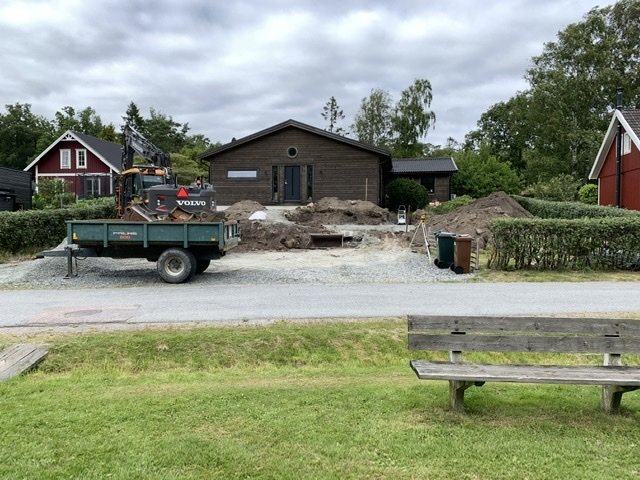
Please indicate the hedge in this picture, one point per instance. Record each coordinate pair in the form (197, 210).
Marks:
(558, 244)
(31, 229)
(570, 210)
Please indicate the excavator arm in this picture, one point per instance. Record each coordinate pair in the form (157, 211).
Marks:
(135, 143)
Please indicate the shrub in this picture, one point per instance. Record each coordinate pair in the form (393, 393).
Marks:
(29, 229)
(562, 188)
(588, 194)
(551, 244)
(446, 207)
(408, 192)
(569, 210)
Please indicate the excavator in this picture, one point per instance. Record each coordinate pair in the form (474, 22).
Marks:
(149, 191)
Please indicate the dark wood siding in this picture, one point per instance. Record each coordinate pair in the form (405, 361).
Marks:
(630, 180)
(19, 183)
(339, 170)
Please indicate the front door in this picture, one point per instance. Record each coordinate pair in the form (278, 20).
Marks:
(292, 183)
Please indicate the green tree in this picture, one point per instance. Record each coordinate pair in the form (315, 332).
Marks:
(408, 192)
(134, 118)
(83, 121)
(412, 118)
(372, 123)
(480, 173)
(164, 132)
(504, 129)
(562, 188)
(333, 114)
(556, 126)
(23, 135)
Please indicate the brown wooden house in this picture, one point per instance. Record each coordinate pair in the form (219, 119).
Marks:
(292, 163)
(88, 164)
(434, 173)
(617, 166)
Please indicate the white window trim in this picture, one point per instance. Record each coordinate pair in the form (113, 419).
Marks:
(78, 158)
(626, 144)
(62, 155)
(242, 174)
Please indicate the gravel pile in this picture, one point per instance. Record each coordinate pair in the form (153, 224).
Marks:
(370, 263)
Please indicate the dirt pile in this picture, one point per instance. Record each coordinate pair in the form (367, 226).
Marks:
(332, 211)
(474, 219)
(267, 235)
(242, 210)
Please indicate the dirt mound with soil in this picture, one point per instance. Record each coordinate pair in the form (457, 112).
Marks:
(242, 210)
(333, 211)
(267, 235)
(474, 219)
(261, 235)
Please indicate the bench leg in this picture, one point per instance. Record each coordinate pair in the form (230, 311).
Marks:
(456, 393)
(612, 396)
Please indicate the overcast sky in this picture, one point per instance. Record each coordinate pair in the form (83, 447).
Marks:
(231, 68)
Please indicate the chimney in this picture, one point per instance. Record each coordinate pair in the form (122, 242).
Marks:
(619, 98)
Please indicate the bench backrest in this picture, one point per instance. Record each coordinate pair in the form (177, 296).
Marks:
(524, 334)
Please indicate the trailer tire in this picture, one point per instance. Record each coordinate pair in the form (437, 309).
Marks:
(176, 265)
(202, 264)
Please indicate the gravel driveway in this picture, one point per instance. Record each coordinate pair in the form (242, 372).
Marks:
(367, 264)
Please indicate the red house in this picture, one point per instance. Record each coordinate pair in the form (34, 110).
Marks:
(617, 166)
(88, 164)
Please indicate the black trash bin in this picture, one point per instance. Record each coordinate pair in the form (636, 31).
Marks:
(445, 241)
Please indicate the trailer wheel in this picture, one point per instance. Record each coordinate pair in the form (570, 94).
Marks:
(176, 265)
(202, 264)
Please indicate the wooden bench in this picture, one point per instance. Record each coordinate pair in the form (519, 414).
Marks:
(611, 337)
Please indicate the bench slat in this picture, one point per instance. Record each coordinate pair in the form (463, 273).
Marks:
(585, 375)
(470, 324)
(18, 358)
(523, 343)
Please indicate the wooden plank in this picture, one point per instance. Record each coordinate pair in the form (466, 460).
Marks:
(555, 374)
(523, 343)
(470, 324)
(19, 358)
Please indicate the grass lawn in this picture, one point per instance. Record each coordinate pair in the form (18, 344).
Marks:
(325, 400)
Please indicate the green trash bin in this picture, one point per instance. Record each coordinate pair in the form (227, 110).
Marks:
(445, 241)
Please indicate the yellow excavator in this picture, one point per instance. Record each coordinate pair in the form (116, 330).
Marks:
(149, 191)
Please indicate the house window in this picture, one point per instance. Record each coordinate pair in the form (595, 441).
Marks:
(292, 152)
(626, 144)
(243, 174)
(429, 183)
(91, 187)
(81, 159)
(65, 158)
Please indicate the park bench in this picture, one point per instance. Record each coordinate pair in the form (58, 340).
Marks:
(458, 334)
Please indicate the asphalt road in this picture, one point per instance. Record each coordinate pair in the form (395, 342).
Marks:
(233, 304)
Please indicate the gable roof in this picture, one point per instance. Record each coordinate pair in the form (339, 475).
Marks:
(293, 124)
(109, 153)
(424, 165)
(630, 121)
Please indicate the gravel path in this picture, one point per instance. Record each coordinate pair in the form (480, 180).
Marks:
(368, 264)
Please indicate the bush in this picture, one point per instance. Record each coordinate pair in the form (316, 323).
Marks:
(408, 192)
(562, 188)
(588, 194)
(552, 244)
(29, 229)
(446, 207)
(570, 210)
(480, 174)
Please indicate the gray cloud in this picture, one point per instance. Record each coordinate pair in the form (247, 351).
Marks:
(232, 68)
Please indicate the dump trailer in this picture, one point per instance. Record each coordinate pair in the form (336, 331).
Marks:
(181, 249)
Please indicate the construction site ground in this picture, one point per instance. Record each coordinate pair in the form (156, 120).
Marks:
(278, 248)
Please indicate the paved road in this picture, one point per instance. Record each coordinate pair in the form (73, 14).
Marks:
(262, 303)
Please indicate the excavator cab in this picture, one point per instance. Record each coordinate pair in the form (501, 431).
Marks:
(150, 191)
